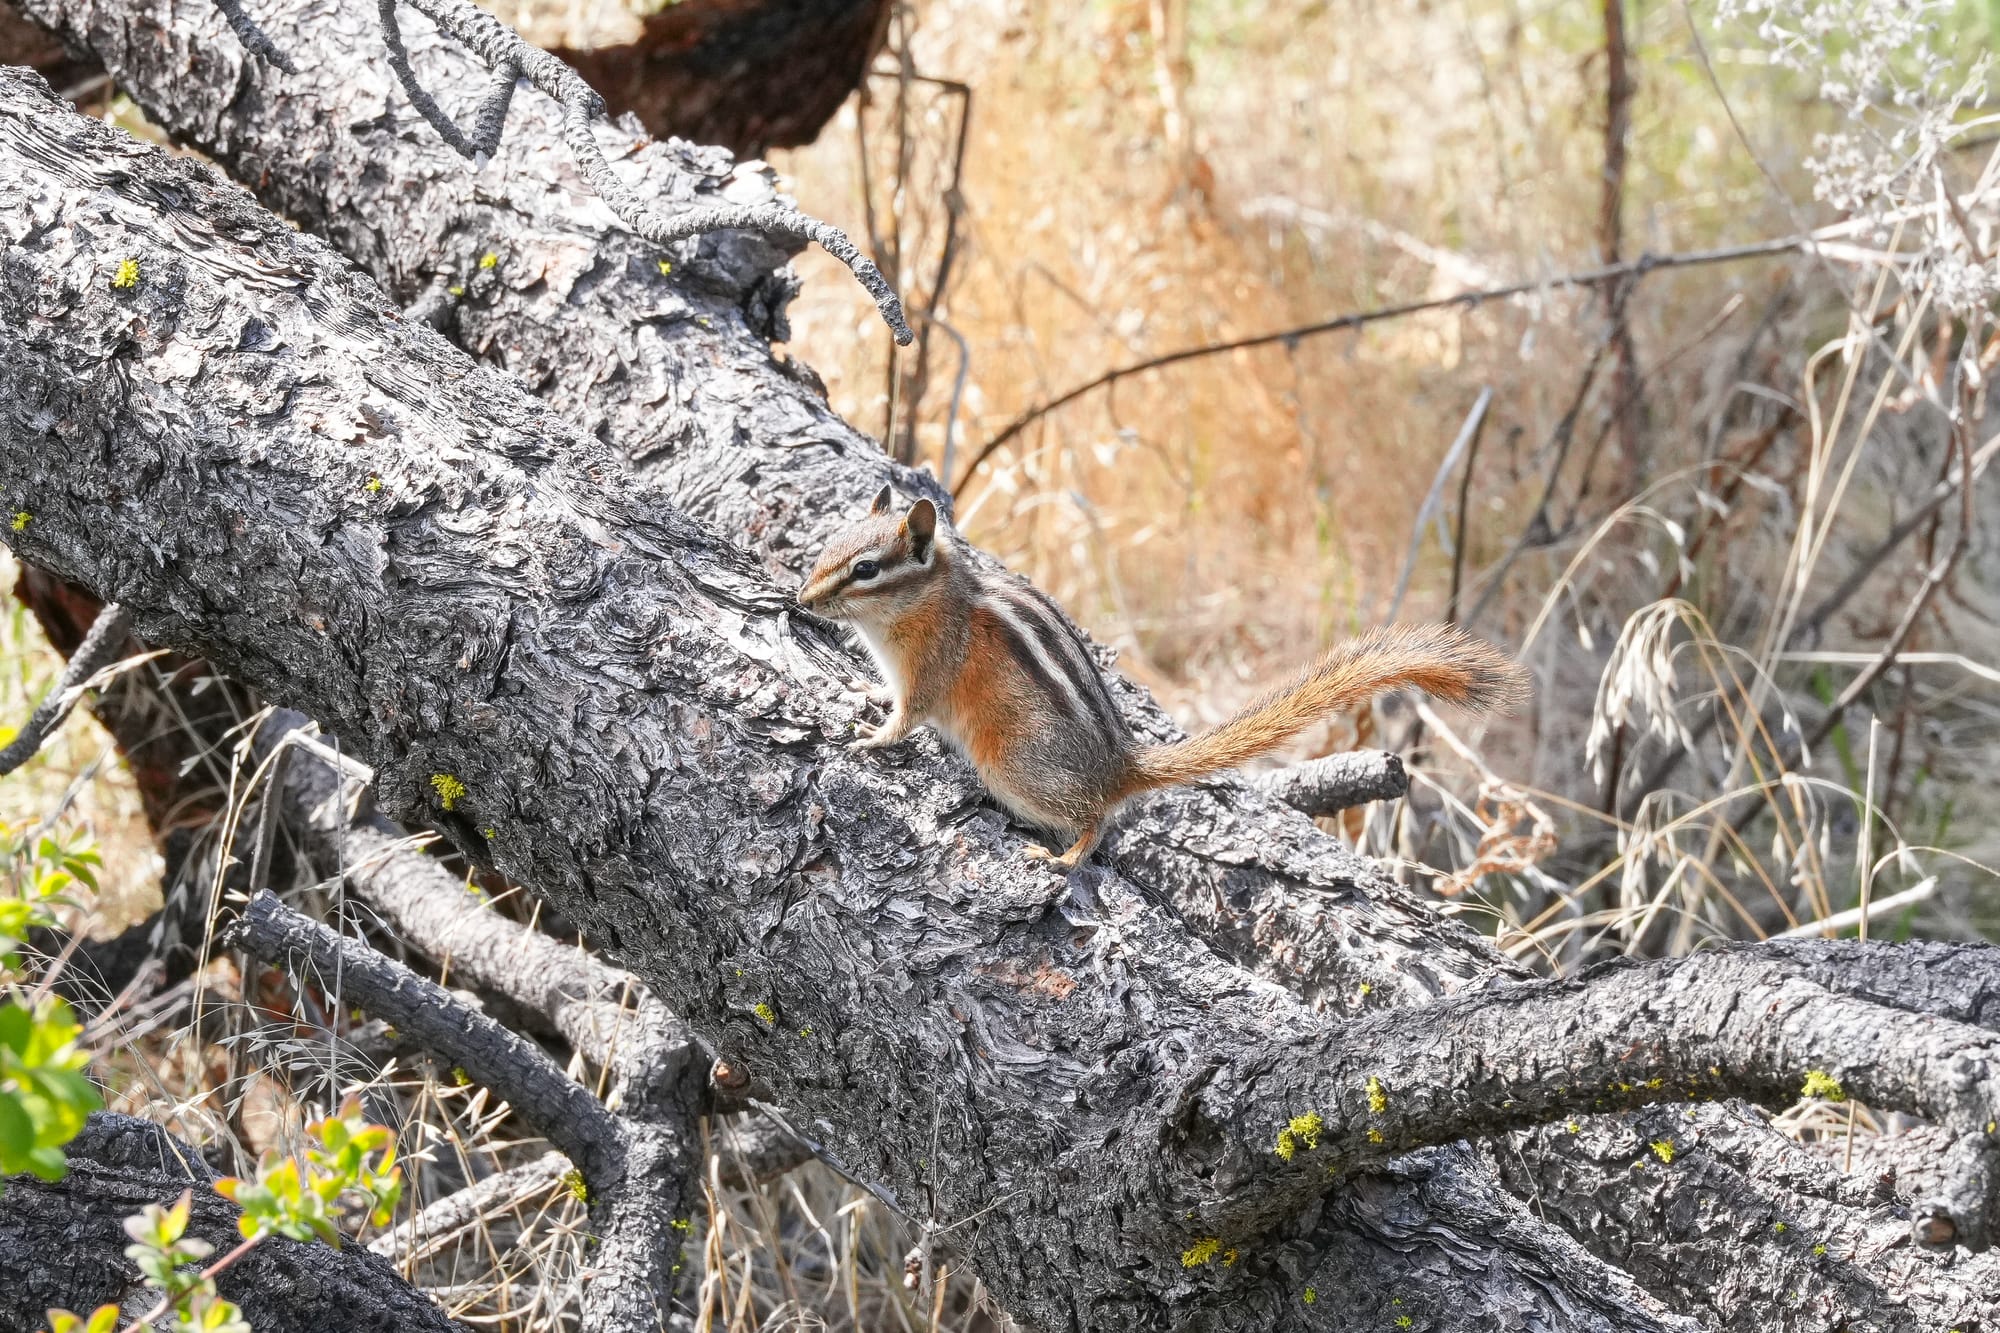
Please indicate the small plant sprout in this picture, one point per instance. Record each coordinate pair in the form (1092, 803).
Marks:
(44, 1095)
(1202, 1252)
(450, 790)
(1302, 1132)
(346, 1159)
(166, 1257)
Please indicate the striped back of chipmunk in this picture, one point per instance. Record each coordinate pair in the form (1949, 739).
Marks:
(1053, 658)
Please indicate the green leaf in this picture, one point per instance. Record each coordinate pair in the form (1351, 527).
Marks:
(15, 1024)
(48, 1164)
(17, 1134)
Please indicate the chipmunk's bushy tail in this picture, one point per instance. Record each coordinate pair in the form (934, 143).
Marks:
(1437, 659)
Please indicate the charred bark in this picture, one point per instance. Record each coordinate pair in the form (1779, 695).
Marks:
(749, 76)
(62, 1244)
(751, 432)
(576, 681)
(1751, 1230)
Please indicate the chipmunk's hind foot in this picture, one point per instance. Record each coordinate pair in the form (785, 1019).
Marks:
(1079, 851)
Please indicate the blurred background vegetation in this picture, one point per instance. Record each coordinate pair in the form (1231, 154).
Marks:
(1729, 512)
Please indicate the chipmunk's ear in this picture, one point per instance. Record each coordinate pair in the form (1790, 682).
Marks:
(921, 524)
(881, 505)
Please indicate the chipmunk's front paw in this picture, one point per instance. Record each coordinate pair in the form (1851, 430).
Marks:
(875, 737)
(869, 690)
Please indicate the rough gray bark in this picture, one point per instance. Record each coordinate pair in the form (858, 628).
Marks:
(1336, 782)
(603, 1012)
(1755, 1231)
(649, 743)
(673, 371)
(62, 1244)
(659, 1084)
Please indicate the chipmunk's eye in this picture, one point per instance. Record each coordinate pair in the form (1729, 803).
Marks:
(866, 569)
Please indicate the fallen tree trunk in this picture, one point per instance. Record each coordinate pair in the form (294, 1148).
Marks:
(731, 433)
(674, 371)
(692, 398)
(583, 686)
(171, 720)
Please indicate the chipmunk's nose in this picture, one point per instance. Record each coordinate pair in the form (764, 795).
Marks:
(810, 595)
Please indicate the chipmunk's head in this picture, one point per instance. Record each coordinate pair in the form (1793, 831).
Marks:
(878, 568)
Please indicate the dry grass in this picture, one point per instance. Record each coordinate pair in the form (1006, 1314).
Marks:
(76, 784)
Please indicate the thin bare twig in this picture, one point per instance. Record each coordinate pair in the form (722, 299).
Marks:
(97, 651)
(1618, 89)
(1935, 577)
(1631, 268)
(1337, 782)
(255, 40)
(488, 122)
(1468, 436)
(1459, 527)
(918, 378)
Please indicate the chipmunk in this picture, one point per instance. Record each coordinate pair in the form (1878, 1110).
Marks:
(991, 663)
